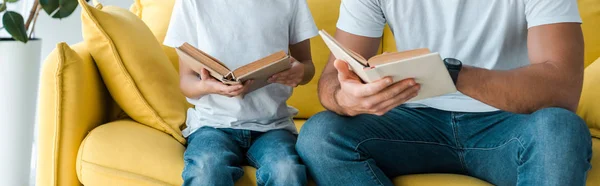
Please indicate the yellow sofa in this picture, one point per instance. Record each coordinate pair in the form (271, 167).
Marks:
(85, 138)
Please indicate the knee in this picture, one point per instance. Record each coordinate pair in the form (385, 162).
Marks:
(316, 131)
(557, 127)
(204, 166)
(282, 172)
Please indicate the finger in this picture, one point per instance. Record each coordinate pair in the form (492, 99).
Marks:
(391, 91)
(279, 79)
(386, 110)
(400, 99)
(374, 87)
(279, 76)
(205, 74)
(244, 89)
(226, 89)
(282, 74)
(218, 87)
(291, 83)
(344, 72)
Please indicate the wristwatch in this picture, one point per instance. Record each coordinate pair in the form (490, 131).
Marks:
(454, 66)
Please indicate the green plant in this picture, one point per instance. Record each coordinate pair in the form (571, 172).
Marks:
(22, 30)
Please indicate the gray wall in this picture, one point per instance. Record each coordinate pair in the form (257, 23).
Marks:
(53, 31)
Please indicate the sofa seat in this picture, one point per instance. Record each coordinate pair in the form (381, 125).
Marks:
(128, 153)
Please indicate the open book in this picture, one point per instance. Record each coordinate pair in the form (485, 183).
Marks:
(425, 67)
(259, 71)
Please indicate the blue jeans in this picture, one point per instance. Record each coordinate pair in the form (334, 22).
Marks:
(549, 147)
(214, 157)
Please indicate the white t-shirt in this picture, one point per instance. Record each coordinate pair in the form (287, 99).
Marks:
(237, 33)
(490, 34)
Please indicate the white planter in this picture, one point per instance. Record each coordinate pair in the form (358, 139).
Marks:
(19, 76)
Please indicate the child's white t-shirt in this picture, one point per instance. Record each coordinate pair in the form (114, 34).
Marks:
(237, 33)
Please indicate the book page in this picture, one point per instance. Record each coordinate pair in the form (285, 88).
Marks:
(261, 75)
(205, 59)
(397, 56)
(356, 66)
(353, 54)
(249, 68)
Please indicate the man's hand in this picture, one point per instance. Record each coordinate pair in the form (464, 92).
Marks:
(291, 77)
(209, 85)
(378, 97)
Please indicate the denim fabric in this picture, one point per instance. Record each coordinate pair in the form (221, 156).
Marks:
(214, 157)
(549, 147)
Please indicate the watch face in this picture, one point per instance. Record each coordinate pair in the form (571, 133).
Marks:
(452, 61)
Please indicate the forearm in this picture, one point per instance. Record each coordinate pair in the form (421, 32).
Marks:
(328, 87)
(188, 85)
(523, 90)
(309, 72)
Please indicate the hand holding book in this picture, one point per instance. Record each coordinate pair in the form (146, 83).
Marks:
(291, 77)
(377, 97)
(258, 71)
(212, 86)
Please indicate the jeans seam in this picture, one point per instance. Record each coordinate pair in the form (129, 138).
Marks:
(257, 166)
(373, 174)
(247, 138)
(460, 149)
(522, 149)
(500, 146)
(402, 141)
(253, 161)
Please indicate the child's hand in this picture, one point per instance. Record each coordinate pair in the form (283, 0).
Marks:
(291, 77)
(212, 86)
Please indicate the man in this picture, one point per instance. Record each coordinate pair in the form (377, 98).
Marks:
(511, 124)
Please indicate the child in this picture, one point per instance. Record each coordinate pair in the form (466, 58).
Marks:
(224, 132)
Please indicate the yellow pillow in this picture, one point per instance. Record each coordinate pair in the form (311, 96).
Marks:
(590, 13)
(589, 106)
(157, 15)
(135, 70)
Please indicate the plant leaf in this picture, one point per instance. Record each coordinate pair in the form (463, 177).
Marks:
(12, 1)
(15, 26)
(2, 7)
(66, 8)
(49, 6)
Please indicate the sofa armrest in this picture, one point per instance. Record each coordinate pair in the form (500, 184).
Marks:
(73, 101)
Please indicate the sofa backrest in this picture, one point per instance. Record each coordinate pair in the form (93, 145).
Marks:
(590, 13)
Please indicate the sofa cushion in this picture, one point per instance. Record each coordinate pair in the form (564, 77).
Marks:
(157, 14)
(128, 153)
(589, 105)
(593, 177)
(135, 70)
(590, 14)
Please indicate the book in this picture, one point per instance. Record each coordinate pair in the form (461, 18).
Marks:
(259, 71)
(425, 67)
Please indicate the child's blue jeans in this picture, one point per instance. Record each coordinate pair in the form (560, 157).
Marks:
(214, 157)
